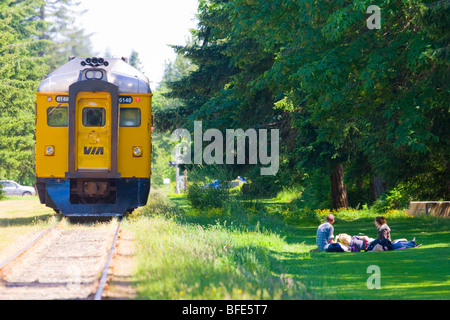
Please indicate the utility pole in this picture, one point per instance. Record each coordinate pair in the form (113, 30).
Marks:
(185, 180)
(177, 178)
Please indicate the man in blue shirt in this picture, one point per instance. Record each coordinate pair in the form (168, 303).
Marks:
(325, 233)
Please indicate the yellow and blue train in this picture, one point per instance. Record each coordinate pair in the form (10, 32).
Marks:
(93, 138)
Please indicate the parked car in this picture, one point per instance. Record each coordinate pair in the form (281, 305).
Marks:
(12, 188)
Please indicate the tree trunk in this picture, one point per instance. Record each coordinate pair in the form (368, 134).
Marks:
(377, 188)
(339, 197)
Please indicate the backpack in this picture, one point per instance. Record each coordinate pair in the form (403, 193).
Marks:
(336, 247)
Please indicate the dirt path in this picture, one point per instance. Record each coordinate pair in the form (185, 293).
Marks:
(120, 284)
(65, 266)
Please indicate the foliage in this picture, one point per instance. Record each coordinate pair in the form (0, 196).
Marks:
(134, 60)
(260, 187)
(162, 106)
(397, 198)
(64, 37)
(35, 37)
(374, 101)
(207, 197)
(203, 197)
(20, 72)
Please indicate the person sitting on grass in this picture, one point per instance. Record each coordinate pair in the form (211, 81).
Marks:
(324, 236)
(384, 232)
(384, 238)
(383, 235)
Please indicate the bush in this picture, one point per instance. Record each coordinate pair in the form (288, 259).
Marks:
(158, 204)
(316, 191)
(256, 190)
(201, 196)
(261, 187)
(397, 198)
(207, 197)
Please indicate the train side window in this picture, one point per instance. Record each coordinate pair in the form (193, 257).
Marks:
(94, 117)
(130, 117)
(57, 117)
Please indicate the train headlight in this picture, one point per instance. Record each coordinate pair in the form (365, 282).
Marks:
(94, 74)
(98, 75)
(49, 150)
(137, 151)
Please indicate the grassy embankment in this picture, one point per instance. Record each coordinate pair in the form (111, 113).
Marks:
(262, 251)
(21, 219)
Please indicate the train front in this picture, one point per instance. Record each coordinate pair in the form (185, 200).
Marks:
(93, 138)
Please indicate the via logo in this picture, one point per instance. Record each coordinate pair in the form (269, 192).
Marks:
(93, 150)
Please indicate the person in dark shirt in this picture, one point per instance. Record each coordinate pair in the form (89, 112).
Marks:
(384, 232)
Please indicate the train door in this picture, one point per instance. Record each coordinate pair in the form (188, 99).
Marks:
(93, 132)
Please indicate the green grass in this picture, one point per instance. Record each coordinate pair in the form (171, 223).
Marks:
(419, 273)
(261, 250)
(180, 259)
(27, 198)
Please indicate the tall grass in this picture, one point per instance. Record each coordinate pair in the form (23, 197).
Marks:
(183, 255)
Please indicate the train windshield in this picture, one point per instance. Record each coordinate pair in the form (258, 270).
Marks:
(93, 117)
(57, 116)
(130, 117)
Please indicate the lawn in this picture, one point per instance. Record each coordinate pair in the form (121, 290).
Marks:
(257, 253)
(419, 273)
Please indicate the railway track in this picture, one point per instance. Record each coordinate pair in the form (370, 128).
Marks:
(64, 264)
(101, 287)
(28, 247)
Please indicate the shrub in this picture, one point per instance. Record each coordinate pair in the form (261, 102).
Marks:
(158, 204)
(207, 197)
(397, 198)
(260, 188)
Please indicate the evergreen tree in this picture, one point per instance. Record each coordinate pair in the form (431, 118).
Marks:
(135, 61)
(36, 36)
(368, 95)
(162, 108)
(21, 69)
(67, 39)
(370, 104)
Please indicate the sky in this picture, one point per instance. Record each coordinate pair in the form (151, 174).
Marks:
(147, 26)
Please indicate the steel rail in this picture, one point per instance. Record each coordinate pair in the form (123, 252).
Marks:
(21, 252)
(101, 287)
